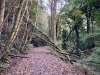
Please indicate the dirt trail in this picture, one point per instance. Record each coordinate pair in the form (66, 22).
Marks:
(42, 63)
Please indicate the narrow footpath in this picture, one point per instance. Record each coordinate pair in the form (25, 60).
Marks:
(40, 62)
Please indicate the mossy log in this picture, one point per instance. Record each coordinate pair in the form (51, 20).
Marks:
(46, 38)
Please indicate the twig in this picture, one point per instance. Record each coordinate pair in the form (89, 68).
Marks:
(17, 56)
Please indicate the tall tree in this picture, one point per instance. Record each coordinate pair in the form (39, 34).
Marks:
(53, 19)
(6, 17)
(14, 30)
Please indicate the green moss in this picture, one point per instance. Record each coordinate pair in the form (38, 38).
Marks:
(4, 58)
(1, 69)
(86, 70)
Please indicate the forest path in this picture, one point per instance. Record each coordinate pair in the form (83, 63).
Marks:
(40, 62)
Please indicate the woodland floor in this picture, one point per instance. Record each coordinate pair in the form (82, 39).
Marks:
(40, 62)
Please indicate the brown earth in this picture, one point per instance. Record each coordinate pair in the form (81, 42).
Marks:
(40, 62)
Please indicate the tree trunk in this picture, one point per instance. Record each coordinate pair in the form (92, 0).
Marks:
(77, 36)
(22, 46)
(9, 41)
(53, 19)
(90, 42)
(20, 20)
(88, 25)
(2, 9)
(2, 24)
(22, 39)
(21, 50)
(78, 51)
(88, 14)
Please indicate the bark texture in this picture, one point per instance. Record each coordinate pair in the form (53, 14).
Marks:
(14, 31)
(2, 9)
(53, 19)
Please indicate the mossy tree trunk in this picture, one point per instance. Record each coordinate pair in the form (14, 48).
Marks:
(13, 31)
(24, 41)
(2, 14)
(20, 21)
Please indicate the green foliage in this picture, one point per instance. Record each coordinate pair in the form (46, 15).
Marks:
(76, 13)
(64, 36)
(17, 6)
(93, 61)
(3, 37)
(32, 10)
(16, 43)
(28, 46)
(48, 48)
(59, 43)
(85, 68)
(4, 58)
(95, 56)
(1, 69)
(32, 13)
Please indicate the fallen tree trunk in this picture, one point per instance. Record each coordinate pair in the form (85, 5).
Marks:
(46, 38)
(52, 44)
